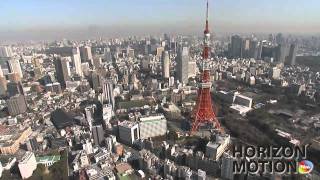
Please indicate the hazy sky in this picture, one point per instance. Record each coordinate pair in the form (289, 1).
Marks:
(34, 19)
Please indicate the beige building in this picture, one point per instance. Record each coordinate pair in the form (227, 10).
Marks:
(11, 138)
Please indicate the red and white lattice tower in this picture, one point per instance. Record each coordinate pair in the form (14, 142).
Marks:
(203, 112)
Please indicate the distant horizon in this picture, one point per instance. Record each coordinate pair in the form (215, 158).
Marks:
(96, 32)
(80, 19)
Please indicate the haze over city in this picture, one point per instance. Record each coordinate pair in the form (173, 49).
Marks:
(47, 20)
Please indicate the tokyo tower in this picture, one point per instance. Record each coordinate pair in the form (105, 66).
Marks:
(203, 112)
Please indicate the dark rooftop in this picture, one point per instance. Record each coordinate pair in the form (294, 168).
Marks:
(61, 119)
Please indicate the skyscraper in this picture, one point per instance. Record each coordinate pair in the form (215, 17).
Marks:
(281, 53)
(182, 64)
(246, 44)
(5, 51)
(96, 80)
(76, 58)
(97, 134)
(15, 67)
(86, 54)
(17, 105)
(14, 88)
(3, 83)
(165, 65)
(236, 47)
(226, 167)
(279, 39)
(291, 59)
(254, 49)
(107, 55)
(62, 70)
(107, 93)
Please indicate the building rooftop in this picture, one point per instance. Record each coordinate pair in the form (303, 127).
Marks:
(61, 119)
(127, 124)
(9, 134)
(45, 159)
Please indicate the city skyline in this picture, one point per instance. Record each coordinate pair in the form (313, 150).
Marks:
(35, 20)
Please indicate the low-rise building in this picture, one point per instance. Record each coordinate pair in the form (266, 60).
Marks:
(11, 138)
(152, 126)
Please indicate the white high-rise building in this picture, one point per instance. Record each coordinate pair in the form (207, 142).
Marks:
(76, 58)
(183, 59)
(1, 72)
(107, 114)
(171, 81)
(107, 93)
(165, 64)
(152, 126)
(14, 66)
(27, 165)
(5, 51)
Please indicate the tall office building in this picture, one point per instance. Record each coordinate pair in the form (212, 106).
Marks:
(128, 132)
(62, 70)
(1, 72)
(5, 51)
(15, 67)
(17, 105)
(107, 55)
(107, 93)
(280, 39)
(14, 88)
(3, 86)
(254, 49)
(3, 83)
(76, 59)
(291, 59)
(259, 54)
(183, 59)
(97, 134)
(96, 80)
(246, 43)
(86, 54)
(165, 65)
(226, 167)
(236, 47)
(281, 53)
(271, 38)
(89, 113)
(27, 165)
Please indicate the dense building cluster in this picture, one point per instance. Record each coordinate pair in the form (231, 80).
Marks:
(122, 108)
